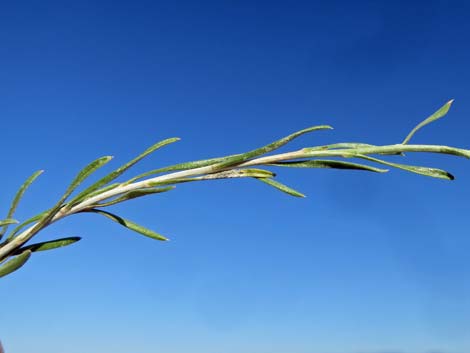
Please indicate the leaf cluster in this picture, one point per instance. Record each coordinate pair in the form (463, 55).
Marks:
(107, 191)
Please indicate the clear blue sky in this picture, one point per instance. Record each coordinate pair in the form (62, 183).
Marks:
(365, 264)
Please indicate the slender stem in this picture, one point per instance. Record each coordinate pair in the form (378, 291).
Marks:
(27, 234)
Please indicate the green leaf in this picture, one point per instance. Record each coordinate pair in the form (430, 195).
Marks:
(442, 111)
(236, 173)
(18, 197)
(20, 226)
(134, 194)
(268, 148)
(324, 163)
(81, 176)
(116, 173)
(281, 187)
(8, 221)
(431, 172)
(14, 264)
(49, 245)
(129, 224)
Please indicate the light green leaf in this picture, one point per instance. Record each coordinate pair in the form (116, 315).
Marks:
(268, 148)
(324, 163)
(129, 224)
(134, 194)
(20, 226)
(86, 172)
(119, 171)
(18, 197)
(8, 221)
(431, 172)
(177, 167)
(81, 176)
(442, 111)
(281, 187)
(49, 245)
(14, 264)
(236, 173)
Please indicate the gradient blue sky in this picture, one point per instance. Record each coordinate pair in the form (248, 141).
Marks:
(365, 264)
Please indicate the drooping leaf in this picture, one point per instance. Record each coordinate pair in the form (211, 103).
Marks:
(119, 171)
(129, 224)
(14, 264)
(49, 245)
(431, 172)
(324, 163)
(18, 197)
(281, 187)
(442, 111)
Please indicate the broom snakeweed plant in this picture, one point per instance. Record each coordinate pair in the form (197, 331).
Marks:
(14, 248)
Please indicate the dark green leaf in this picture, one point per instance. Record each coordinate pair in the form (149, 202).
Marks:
(51, 244)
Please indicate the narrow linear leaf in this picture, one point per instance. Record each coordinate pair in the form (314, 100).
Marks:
(442, 111)
(8, 221)
(336, 146)
(18, 196)
(14, 264)
(49, 245)
(129, 224)
(227, 174)
(431, 172)
(116, 173)
(268, 148)
(85, 173)
(180, 166)
(237, 173)
(20, 226)
(135, 194)
(81, 176)
(100, 191)
(324, 163)
(281, 187)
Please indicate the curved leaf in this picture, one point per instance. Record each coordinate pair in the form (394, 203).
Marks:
(431, 172)
(116, 173)
(134, 194)
(14, 264)
(129, 224)
(18, 196)
(442, 111)
(51, 244)
(268, 148)
(281, 187)
(8, 221)
(325, 163)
